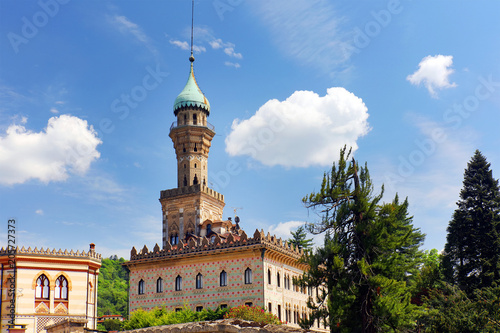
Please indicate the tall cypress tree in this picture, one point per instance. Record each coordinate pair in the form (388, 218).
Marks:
(472, 251)
(370, 254)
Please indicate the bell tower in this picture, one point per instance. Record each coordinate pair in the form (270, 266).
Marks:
(192, 203)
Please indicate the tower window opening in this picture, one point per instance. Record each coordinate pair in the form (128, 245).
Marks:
(184, 166)
(195, 180)
(185, 181)
(195, 165)
(194, 119)
(204, 182)
(183, 148)
(185, 119)
(195, 149)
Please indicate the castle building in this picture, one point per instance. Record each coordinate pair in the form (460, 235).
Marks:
(50, 287)
(206, 261)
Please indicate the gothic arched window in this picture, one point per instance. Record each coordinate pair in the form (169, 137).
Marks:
(61, 290)
(159, 285)
(199, 281)
(42, 287)
(223, 279)
(248, 276)
(140, 287)
(178, 283)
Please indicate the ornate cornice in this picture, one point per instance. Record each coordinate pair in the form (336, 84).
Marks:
(48, 252)
(203, 245)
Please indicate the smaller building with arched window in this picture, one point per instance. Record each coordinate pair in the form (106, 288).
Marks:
(52, 286)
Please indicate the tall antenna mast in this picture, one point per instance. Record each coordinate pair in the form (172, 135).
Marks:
(191, 58)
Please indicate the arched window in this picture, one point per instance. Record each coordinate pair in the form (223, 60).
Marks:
(278, 282)
(174, 239)
(223, 279)
(140, 287)
(42, 287)
(178, 283)
(269, 276)
(209, 229)
(195, 180)
(199, 281)
(61, 290)
(159, 285)
(195, 121)
(248, 276)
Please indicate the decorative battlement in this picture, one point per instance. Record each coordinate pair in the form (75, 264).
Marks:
(176, 124)
(91, 254)
(189, 190)
(203, 244)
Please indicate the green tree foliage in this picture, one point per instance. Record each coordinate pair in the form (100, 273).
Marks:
(112, 295)
(450, 310)
(160, 316)
(370, 254)
(472, 251)
(299, 239)
(112, 325)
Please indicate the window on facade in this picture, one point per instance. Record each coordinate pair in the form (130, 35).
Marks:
(140, 287)
(61, 290)
(269, 276)
(178, 283)
(174, 239)
(195, 180)
(209, 228)
(248, 276)
(278, 282)
(159, 285)
(223, 306)
(199, 308)
(279, 312)
(42, 287)
(269, 307)
(249, 304)
(178, 309)
(223, 279)
(199, 281)
(194, 119)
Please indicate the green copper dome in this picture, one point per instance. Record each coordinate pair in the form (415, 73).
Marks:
(191, 95)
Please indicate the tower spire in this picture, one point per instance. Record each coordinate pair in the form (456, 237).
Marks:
(191, 58)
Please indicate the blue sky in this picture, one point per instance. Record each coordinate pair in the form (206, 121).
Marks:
(87, 90)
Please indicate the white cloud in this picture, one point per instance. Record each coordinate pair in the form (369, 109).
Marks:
(230, 52)
(306, 129)
(125, 26)
(182, 45)
(39, 212)
(232, 64)
(434, 73)
(54, 110)
(205, 36)
(283, 229)
(307, 30)
(67, 145)
(185, 46)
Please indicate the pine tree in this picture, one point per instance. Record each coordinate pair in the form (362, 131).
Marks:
(299, 239)
(472, 251)
(370, 254)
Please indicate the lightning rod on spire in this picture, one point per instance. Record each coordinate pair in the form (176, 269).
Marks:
(191, 58)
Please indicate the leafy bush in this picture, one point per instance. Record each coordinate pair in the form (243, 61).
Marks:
(160, 316)
(253, 313)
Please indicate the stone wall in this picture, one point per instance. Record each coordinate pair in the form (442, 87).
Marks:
(224, 326)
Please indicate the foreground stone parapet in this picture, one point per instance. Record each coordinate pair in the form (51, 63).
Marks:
(223, 325)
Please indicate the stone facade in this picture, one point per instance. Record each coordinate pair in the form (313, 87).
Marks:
(50, 286)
